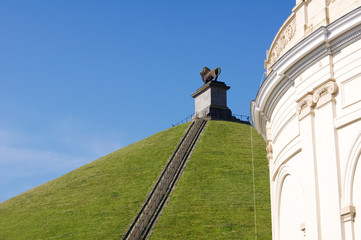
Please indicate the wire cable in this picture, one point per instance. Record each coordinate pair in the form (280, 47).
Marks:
(262, 78)
(254, 190)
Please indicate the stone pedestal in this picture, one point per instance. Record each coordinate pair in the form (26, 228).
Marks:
(211, 102)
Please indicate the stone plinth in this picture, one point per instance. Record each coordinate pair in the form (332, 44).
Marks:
(211, 101)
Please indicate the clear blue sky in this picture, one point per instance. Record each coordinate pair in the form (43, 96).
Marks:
(80, 79)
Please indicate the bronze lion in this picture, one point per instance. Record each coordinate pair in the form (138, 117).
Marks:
(208, 75)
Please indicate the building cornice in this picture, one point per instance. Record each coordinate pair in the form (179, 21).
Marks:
(323, 41)
(210, 84)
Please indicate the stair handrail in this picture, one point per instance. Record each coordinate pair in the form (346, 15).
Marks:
(243, 118)
(157, 183)
(179, 170)
(184, 120)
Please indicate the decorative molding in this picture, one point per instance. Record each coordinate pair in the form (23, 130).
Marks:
(308, 61)
(325, 93)
(323, 41)
(284, 172)
(349, 175)
(354, 36)
(304, 106)
(330, 1)
(287, 153)
(348, 213)
(347, 119)
(286, 35)
(269, 150)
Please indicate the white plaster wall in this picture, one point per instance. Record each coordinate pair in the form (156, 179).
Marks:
(338, 8)
(316, 14)
(347, 64)
(331, 147)
(285, 133)
(283, 124)
(313, 76)
(357, 199)
(291, 214)
(311, 122)
(347, 135)
(289, 202)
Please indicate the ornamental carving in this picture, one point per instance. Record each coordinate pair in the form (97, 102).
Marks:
(305, 103)
(328, 88)
(284, 38)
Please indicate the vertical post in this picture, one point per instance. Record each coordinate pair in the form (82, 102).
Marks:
(308, 153)
(348, 217)
(328, 161)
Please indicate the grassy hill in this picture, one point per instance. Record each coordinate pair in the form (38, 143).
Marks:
(213, 199)
(96, 201)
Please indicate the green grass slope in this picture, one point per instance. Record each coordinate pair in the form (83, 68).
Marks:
(96, 201)
(214, 197)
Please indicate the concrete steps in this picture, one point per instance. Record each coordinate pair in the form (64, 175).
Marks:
(147, 217)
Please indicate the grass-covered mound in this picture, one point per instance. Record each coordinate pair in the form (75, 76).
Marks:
(214, 197)
(96, 201)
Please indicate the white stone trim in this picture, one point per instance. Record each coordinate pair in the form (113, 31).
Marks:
(325, 93)
(284, 171)
(299, 58)
(269, 150)
(353, 158)
(347, 119)
(305, 106)
(348, 213)
(289, 151)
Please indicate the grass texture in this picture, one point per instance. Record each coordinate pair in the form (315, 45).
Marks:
(214, 197)
(96, 201)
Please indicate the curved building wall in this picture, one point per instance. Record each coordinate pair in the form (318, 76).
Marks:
(308, 110)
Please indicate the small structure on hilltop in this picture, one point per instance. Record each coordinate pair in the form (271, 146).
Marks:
(211, 99)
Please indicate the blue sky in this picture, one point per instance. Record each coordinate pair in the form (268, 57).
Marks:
(80, 79)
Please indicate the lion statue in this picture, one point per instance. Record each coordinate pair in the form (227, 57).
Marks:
(209, 75)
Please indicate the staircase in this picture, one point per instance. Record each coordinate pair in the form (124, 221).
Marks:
(147, 217)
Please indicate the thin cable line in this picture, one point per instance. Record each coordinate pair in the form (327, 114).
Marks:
(254, 190)
(260, 83)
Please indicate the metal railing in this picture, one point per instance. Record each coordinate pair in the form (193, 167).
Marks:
(186, 119)
(157, 184)
(243, 118)
(148, 216)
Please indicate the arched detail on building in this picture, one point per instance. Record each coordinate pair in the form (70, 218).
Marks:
(285, 172)
(350, 172)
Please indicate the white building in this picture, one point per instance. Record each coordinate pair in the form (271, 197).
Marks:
(308, 110)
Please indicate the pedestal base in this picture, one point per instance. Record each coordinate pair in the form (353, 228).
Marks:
(211, 102)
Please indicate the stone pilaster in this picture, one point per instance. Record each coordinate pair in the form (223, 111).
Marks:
(327, 160)
(305, 111)
(348, 217)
